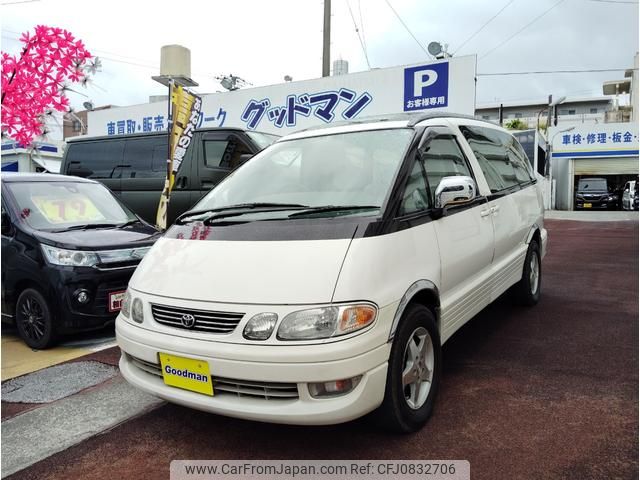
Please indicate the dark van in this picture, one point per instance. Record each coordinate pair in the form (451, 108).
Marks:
(69, 248)
(134, 166)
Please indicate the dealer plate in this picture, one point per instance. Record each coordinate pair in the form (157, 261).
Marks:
(115, 301)
(587, 205)
(186, 373)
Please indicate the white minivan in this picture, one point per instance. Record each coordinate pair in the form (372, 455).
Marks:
(319, 281)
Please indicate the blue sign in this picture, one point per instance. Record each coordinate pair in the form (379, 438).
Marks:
(426, 86)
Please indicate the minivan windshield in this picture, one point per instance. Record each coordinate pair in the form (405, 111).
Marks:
(348, 169)
(59, 206)
(592, 185)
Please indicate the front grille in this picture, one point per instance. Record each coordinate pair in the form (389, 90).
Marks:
(205, 321)
(240, 388)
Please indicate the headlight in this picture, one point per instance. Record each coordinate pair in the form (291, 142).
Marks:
(260, 326)
(69, 258)
(137, 314)
(325, 322)
(125, 309)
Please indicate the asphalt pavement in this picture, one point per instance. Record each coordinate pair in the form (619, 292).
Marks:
(543, 392)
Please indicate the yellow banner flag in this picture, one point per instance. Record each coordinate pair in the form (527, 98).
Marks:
(185, 113)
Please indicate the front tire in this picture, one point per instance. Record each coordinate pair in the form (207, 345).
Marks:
(34, 320)
(414, 372)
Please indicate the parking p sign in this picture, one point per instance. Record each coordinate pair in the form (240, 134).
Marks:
(426, 86)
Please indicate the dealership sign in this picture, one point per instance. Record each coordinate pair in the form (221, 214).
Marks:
(596, 140)
(441, 86)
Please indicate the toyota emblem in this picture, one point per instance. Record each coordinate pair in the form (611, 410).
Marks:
(188, 320)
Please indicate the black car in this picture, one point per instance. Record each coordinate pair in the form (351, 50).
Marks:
(69, 248)
(593, 194)
(134, 167)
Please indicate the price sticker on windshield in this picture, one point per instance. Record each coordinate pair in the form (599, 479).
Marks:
(71, 208)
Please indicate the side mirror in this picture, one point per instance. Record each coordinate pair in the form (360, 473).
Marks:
(244, 158)
(455, 191)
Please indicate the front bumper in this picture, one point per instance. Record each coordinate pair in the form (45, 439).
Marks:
(99, 284)
(286, 363)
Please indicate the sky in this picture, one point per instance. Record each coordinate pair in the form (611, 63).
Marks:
(262, 41)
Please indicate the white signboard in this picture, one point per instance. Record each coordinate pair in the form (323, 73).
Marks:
(596, 140)
(441, 86)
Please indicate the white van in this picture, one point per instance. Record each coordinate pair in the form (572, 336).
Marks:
(319, 281)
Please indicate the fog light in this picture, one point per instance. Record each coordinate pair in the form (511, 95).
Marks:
(82, 296)
(335, 388)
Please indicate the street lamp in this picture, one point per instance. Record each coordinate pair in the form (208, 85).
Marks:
(547, 167)
(548, 108)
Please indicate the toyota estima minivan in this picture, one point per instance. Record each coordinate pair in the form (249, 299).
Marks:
(319, 281)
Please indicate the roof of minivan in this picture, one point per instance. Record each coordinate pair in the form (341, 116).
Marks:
(410, 119)
(85, 138)
(14, 177)
(401, 120)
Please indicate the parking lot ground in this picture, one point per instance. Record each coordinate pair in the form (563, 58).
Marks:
(18, 359)
(543, 392)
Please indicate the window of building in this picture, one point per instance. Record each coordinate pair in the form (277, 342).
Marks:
(593, 110)
(517, 115)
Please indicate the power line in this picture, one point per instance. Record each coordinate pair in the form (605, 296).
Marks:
(364, 49)
(539, 72)
(482, 27)
(523, 28)
(364, 40)
(407, 29)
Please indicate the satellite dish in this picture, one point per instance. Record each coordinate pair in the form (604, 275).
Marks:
(435, 48)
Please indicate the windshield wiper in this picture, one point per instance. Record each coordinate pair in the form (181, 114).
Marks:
(130, 222)
(333, 208)
(240, 206)
(87, 227)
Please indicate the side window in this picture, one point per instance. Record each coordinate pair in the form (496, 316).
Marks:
(493, 157)
(224, 153)
(443, 158)
(95, 159)
(146, 157)
(518, 159)
(415, 198)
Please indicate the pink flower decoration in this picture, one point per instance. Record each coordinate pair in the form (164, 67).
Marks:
(34, 82)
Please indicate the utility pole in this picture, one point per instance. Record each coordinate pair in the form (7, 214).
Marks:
(326, 39)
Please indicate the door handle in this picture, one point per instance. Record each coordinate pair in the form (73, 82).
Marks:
(486, 213)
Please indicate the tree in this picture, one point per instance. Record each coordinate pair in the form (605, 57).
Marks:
(34, 84)
(516, 124)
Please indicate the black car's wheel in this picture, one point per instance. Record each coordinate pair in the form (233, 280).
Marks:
(527, 290)
(413, 376)
(34, 320)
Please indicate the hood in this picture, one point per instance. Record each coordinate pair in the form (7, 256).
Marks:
(100, 239)
(264, 272)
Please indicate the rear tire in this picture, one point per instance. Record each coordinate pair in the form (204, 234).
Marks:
(34, 320)
(527, 290)
(413, 375)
